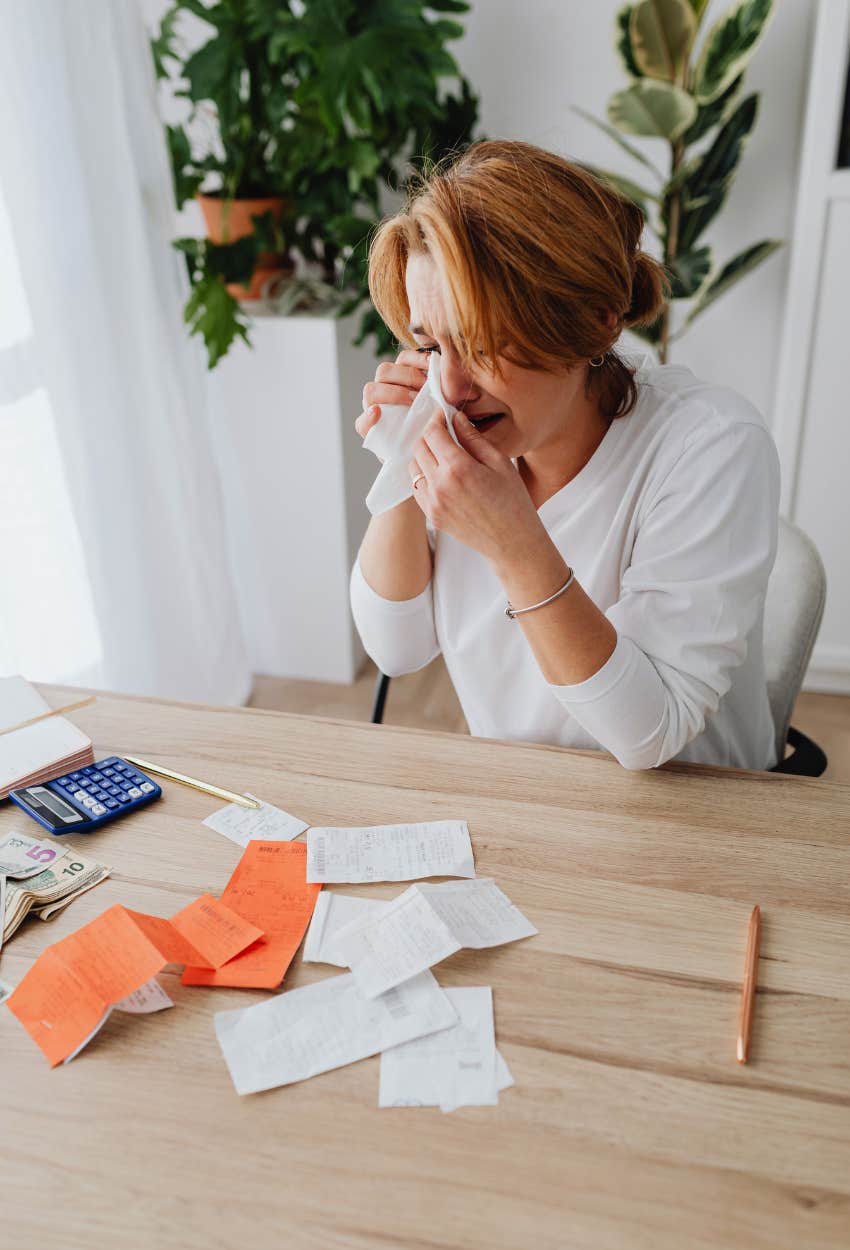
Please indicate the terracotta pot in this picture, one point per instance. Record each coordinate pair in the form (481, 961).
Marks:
(229, 220)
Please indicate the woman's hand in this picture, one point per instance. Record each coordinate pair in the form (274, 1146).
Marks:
(474, 493)
(395, 383)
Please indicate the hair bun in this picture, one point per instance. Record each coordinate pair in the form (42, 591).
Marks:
(649, 291)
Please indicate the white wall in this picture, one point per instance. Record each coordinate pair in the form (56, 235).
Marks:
(531, 60)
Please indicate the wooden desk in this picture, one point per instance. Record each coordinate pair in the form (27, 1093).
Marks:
(631, 1126)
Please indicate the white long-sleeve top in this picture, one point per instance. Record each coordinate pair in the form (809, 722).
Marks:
(671, 529)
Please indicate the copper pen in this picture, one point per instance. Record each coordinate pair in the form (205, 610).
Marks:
(748, 993)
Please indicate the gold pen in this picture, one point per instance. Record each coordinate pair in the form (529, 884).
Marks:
(159, 770)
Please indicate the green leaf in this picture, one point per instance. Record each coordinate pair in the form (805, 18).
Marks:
(721, 159)
(631, 190)
(187, 179)
(688, 272)
(624, 41)
(634, 152)
(729, 45)
(649, 107)
(711, 114)
(699, 7)
(694, 221)
(162, 45)
(212, 312)
(709, 176)
(209, 68)
(232, 262)
(662, 34)
(732, 272)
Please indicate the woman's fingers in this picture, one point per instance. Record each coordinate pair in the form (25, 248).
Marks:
(396, 382)
(367, 419)
(387, 393)
(400, 374)
(425, 457)
(415, 360)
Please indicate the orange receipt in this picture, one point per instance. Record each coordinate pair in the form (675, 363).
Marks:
(268, 888)
(66, 993)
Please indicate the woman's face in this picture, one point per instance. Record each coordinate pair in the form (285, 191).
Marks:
(521, 411)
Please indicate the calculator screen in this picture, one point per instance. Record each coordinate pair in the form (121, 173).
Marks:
(54, 804)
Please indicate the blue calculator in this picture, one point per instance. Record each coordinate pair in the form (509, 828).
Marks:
(86, 799)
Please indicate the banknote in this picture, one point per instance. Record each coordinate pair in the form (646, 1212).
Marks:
(52, 889)
(22, 856)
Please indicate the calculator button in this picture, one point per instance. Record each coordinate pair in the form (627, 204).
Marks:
(80, 796)
(134, 792)
(122, 798)
(87, 785)
(96, 776)
(100, 794)
(88, 801)
(146, 787)
(121, 768)
(114, 791)
(111, 804)
(76, 776)
(98, 809)
(109, 772)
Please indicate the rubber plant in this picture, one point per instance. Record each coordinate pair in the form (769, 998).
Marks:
(329, 104)
(686, 89)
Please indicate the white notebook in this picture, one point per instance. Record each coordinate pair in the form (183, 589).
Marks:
(38, 752)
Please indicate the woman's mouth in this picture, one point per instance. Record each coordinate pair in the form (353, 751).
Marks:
(485, 421)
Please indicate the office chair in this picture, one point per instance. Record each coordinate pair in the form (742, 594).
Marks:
(793, 609)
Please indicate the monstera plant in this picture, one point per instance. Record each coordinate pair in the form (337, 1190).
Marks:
(686, 89)
(301, 115)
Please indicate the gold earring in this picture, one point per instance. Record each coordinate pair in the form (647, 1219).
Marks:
(596, 361)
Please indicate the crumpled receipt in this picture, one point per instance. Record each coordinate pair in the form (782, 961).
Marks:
(395, 436)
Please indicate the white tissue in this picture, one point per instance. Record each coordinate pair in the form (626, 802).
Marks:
(395, 436)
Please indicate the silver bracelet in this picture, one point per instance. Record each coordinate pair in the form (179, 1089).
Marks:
(512, 612)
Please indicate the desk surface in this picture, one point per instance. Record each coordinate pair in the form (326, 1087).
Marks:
(630, 1126)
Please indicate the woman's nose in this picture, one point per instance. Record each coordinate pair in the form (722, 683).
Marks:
(456, 383)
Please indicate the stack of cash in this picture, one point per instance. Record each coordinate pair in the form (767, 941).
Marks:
(41, 876)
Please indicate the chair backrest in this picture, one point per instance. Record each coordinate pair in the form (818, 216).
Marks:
(796, 594)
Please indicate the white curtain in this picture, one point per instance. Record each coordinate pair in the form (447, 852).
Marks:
(112, 555)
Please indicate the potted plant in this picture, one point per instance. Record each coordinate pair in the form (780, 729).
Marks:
(685, 89)
(302, 115)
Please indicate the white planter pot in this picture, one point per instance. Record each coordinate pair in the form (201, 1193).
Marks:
(294, 477)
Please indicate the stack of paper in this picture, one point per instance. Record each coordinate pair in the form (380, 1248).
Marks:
(390, 998)
(304, 1032)
(41, 877)
(457, 1067)
(423, 926)
(37, 752)
(67, 995)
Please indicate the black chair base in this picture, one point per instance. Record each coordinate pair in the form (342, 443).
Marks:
(806, 759)
(382, 685)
